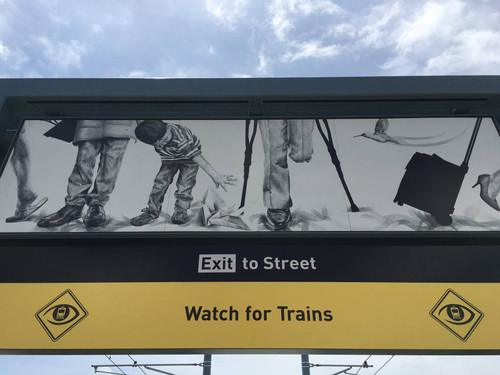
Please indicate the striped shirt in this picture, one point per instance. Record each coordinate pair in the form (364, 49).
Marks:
(184, 145)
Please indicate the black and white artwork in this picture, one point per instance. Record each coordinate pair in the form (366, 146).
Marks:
(334, 175)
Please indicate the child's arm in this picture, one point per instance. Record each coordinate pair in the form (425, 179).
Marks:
(218, 179)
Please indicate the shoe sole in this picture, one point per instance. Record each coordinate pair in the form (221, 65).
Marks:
(48, 224)
(28, 211)
(272, 226)
(94, 223)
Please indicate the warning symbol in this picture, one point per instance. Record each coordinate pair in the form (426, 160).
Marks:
(61, 314)
(459, 316)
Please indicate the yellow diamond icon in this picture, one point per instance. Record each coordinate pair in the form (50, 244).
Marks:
(62, 314)
(457, 315)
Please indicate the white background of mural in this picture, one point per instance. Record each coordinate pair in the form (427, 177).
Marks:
(372, 170)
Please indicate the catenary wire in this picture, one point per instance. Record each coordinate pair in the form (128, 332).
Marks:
(366, 360)
(114, 363)
(384, 365)
(137, 366)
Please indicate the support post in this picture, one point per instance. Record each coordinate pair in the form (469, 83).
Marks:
(207, 364)
(305, 364)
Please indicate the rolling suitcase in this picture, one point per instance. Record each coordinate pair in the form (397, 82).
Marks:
(432, 184)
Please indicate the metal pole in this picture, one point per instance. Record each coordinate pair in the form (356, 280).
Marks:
(207, 364)
(305, 364)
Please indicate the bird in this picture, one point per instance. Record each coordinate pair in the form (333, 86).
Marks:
(490, 187)
(380, 135)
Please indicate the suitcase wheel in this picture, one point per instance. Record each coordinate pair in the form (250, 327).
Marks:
(443, 219)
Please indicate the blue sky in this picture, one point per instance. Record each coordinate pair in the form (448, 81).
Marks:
(243, 38)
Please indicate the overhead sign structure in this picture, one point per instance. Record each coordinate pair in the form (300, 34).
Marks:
(325, 216)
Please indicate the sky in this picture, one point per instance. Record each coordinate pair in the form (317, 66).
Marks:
(239, 39)
(243, 38)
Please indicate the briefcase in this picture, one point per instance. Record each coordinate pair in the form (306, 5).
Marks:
(432, 184)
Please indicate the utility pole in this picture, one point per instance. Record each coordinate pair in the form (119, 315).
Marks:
(207, 364)
(305, 364)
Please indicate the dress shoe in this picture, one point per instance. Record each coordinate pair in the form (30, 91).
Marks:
(490, 186)
(23, 213)
(278, 219)
(64, 215)
(95, 216)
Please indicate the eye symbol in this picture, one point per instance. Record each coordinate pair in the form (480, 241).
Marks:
(62, 314)
(458, 314)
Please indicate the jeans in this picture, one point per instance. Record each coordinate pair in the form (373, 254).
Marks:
(185, 183)
(111, 151)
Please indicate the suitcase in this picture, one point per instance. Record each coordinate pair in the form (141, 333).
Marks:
(432, 184)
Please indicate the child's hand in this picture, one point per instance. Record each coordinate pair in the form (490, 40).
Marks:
(224, 179)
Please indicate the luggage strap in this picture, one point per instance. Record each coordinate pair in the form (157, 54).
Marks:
(335, 160)
(248, 156)
(472, 141)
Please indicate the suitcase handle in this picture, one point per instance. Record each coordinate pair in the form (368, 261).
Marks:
(472, 141)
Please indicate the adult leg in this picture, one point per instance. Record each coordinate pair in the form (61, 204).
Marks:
(112, 152)
(276, 174)
(79, 183)
(21, 164)
(26, 197)
(110, 161)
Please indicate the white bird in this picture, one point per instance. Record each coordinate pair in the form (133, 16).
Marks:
(490, 187)
(380, 135)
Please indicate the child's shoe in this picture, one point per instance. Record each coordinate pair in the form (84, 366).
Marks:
(142, 219)
(180, 216)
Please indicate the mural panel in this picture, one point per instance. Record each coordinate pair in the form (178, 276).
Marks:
(334, 175)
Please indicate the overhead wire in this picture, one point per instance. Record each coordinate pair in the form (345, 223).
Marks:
(384, 365)
(133, 360)
(114, 363)
(366, 361)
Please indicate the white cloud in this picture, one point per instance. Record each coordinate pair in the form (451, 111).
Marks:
(240, 75)
(434, 21)
(4, 52)
(311, 49)
(283, 12)
(226, 12)
(13, 58)
(475, 50)
(378, 24)
(447, 37)
(136, 74)
(263, 67)
(64, 55)
(211, 50)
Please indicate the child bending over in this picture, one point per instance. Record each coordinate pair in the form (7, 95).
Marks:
(180, 151)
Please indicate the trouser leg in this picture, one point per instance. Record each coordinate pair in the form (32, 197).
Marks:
(185, 183)
(112, 152)
(300, 140)
(161, 183)
(276, 174)
(80, 180)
